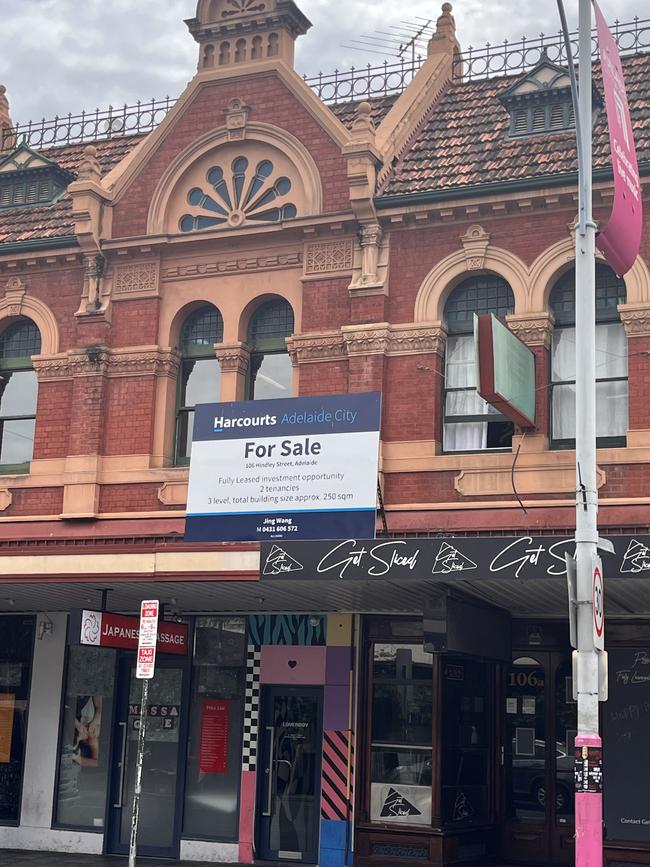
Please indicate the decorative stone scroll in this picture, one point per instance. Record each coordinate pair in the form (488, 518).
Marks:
(417, 339)
(237, 265)
(99, 361)
(312, 348)
(372, 339)
(534, 329)
(233, 357)
(636, 319)
(135, 280)
(329, 257)
(475, 242)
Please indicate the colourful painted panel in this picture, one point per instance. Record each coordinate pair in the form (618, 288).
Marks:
(251, 709)
(338, 762)
(287, 629)
(304, 666)
(339, 630)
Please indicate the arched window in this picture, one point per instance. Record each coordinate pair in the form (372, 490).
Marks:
(270, 369)
(471, 424)
(18, 393)
(200, 373)
(611, 361)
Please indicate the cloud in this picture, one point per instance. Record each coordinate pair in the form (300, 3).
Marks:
(60, 56)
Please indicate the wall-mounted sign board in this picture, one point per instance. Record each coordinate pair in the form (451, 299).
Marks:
(505, 370)
(302, 468)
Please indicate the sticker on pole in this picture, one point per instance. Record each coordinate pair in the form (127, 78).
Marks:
(146, 664)
(598, 602)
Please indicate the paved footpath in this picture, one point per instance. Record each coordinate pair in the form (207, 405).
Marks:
(56, 859)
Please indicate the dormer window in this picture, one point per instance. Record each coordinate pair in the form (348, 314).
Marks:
(28, 178)
(540, 102)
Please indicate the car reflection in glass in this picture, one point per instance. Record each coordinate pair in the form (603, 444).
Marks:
(529, 779)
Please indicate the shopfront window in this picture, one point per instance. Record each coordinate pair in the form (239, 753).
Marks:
(85, 738)
(16, 646)
(402, 725)
(216, 723)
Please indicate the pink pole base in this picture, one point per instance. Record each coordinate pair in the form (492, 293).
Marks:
(589, 817)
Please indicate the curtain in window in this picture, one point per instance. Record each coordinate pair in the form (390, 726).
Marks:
(460, 373)
(611, 397)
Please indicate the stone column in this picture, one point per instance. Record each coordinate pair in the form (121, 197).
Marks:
(636, 320)
(234, 359)
(536, 331)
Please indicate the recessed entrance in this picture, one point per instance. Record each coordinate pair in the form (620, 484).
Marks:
(540, 728)
(289, 782)
(160, 804)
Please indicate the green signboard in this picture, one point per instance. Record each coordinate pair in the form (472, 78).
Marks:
(505, 371)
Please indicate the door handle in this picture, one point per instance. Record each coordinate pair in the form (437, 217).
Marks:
(269, 772)
(120, 796)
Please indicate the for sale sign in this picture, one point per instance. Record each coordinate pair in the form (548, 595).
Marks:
(301, 468)
(146, 663)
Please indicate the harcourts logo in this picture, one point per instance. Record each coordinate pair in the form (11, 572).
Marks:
(221, 424)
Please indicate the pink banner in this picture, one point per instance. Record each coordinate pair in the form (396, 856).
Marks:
(620, 240)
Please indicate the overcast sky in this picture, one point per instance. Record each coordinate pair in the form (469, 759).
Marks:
(60, 56)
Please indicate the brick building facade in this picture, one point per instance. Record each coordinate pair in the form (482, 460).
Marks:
(258, 241)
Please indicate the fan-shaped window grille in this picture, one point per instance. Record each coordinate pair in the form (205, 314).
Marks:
(270, 370)
(239, 194)
(18, 393)
(200, 373)
(471, 424)
(611, 360)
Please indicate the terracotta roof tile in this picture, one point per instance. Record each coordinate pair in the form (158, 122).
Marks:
(55, 221)
(464, 142)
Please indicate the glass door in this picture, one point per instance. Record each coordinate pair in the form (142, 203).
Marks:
(539, 731)
(289, 782)
(159, 826)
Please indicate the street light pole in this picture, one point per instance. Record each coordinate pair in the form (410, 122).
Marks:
(589, 811)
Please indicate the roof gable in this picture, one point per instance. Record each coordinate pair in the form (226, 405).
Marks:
(546, 76)
(23, 158)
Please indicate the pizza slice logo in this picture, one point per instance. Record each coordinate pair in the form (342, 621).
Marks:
(450, 560)
(396, 806)
(280, 563)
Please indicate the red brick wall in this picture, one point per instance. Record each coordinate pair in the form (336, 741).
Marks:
(325, 305)
(53, 419)
(412, 397)
(87, 415)
(328, 377)
(271, 103)
(131, 498)
(128, 423)
(135, 323)
(639, 382)
(35, 501)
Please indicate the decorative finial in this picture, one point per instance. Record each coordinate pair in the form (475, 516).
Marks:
(89, 167)
(363, 126)
(7, 139)
(445, 25)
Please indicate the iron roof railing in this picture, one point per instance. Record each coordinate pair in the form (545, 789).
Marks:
(333, 88)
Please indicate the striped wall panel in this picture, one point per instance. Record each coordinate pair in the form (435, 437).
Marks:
(338, 765)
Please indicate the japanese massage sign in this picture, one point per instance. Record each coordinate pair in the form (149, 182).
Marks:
(303, 468)
(105, 629)
(620, 240)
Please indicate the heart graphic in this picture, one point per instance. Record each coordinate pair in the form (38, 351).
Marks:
(292, 663)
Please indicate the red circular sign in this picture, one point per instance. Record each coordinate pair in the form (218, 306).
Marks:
(598, 603)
